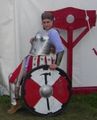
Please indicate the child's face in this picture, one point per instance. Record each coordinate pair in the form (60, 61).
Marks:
(47, 24)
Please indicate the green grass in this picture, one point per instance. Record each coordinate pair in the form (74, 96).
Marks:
(80, 107)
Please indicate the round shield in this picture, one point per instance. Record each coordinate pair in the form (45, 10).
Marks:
(45, 91)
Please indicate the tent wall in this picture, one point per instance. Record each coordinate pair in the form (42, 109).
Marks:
(20, 20)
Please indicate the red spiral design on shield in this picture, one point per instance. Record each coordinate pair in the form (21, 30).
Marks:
(59, 98)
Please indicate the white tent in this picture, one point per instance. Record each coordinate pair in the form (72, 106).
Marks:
(20, 20)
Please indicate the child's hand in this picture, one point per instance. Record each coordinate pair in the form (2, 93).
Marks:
(31, 40)
(53, 66)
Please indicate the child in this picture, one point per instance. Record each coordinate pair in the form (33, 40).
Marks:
(45, 42)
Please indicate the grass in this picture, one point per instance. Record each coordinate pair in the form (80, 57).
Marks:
(80, 107)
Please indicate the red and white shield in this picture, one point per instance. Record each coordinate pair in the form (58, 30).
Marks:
(45, 91)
